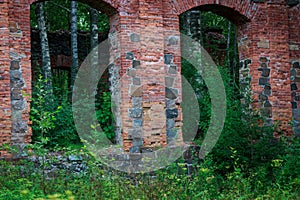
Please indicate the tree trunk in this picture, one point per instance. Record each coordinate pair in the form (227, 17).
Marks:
(94, 44)
(235, 57)
(74, 44)
(46, 68)
(228, 44)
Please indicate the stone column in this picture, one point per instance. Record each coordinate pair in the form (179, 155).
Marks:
(145, 63)
(294, 47)
(20, 72)
(264, 54)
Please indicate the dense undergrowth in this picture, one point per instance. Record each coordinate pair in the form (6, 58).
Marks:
(247, 162)
(277, 179)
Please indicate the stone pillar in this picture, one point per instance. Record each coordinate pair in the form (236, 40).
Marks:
(173, 81)
(264, 54)
(146, 103)
(20, 72)
(294, 47)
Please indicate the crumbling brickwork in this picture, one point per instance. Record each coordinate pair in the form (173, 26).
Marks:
(146, 64)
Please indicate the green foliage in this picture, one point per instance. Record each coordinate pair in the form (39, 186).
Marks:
(26, 180)
(51, 118)
(105, 116)
(243, 135)
(58, 16)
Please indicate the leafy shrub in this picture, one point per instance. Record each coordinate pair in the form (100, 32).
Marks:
(243, 135)
(105, 116)
(51, 117)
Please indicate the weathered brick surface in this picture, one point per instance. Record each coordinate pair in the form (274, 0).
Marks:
(294, 49)
(145, 64)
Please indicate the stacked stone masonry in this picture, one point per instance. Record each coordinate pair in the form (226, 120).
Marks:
(145, 65)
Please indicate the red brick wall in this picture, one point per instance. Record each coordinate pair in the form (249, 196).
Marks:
(147, 50)
(5, 105)
(294, 47)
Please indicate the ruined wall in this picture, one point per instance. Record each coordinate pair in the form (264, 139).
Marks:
(145, 64)
(294, 47)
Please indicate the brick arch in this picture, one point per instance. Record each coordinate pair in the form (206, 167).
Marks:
(228, 9)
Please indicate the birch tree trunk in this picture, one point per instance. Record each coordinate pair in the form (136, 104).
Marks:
(46, 68)
(228, 44)
(235, 56)
(74, 43)
(94, 44)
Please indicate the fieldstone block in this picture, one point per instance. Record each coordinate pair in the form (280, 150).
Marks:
(170, 103)
(293, 72)
(171, 133)
(294, 86)
(14, 65)
(168, 59)
(247, 62)
(19, 127)
(136, 64)
(75, 158)
(296, 131)
(173, 69)
(264, 44)
(15, 74)
(296, 113)
(258, 1)
(173, 40)
(267, 87)
(136, 91)
(136, 81)
(170, 123)
(267, 104)
(137, 123)
(135, 112)
(17, 83)
(267, 92)
(171, 93)
(267, 112)
(129, 56)
(297, 79)
(137, 142)
(172, 113)
(263, 59)
(266, 72)
(131, 72)
(296, 65)
(263, 97)
(18, 104)
(297, 98)
(136, 102)
(16, 94)
(135, 37)
(135, 133)
(169, 81)
(263, 81)
(134, 149)
(241, 64)
(292, 2)
(294, 47)
(264, 65)
(294, 105)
